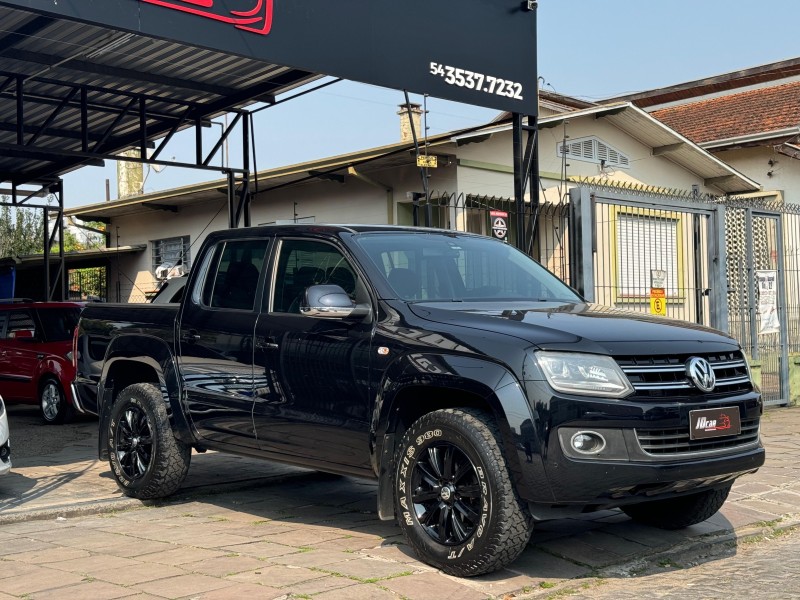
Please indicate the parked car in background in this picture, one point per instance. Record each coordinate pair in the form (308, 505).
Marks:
(36, 355)
(5, 445)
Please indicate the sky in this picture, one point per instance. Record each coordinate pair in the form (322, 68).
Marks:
(590, 49)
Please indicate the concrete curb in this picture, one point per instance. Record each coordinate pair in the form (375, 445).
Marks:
(101, 506)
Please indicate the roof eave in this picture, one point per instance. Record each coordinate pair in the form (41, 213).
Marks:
(750, 138)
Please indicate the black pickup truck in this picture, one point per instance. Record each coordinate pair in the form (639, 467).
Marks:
(479, 390)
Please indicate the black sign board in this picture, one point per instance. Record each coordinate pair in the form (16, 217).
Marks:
(480, 52)
(499, 223)
(714, 422)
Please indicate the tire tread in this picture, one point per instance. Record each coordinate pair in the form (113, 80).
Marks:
(171, 457)
(515, 523)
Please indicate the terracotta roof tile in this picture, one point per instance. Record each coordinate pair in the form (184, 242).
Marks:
(755, 111)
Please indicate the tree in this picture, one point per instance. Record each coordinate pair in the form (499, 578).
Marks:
(21, 231)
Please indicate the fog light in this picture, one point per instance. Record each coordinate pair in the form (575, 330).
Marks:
(588, 442)
(5, 452)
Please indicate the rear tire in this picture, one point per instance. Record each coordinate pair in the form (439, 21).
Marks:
(52, 402)
(453, 495)
(146, 459)
(680, 512)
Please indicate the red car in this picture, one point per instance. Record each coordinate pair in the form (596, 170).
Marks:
(36, 355)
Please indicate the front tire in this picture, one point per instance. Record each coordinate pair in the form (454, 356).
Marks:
(453, 495)
(52, 402)
(680, 512)
(146, 459)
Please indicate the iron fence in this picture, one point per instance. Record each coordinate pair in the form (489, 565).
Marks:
(88, 284)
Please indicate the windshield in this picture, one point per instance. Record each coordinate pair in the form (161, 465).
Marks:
(451, 267)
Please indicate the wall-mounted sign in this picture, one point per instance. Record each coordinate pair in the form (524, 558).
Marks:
(499, 219)
(767, 302)
(658, 302)
(429, 161)
(254, 16)
(489, 58)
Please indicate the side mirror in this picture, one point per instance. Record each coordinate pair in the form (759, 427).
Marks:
(330, 302)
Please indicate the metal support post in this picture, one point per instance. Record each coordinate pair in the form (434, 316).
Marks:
(519, 179)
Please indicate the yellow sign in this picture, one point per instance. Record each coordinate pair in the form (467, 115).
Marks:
(658, 302)
(427, 161)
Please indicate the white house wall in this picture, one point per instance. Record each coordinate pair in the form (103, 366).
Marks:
(486, 167)
(754, 162)
(655, 171)
(133, 271)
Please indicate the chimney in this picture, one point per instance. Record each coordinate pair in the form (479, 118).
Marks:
(405, 126)
(130, 175)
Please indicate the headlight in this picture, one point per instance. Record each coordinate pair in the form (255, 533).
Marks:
(749, 371)
(584, 374)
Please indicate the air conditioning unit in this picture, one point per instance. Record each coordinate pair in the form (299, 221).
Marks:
(168, 270)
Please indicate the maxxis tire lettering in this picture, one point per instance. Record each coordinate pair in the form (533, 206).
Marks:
(405, 499)
(470, 521)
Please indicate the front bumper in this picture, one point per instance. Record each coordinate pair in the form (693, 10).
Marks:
(628, 470)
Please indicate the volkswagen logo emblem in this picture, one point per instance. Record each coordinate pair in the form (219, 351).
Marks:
(700, 372)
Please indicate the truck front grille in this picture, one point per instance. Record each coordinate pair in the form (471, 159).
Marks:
(664, 442)
(660, 377)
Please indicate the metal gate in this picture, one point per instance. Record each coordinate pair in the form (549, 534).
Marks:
(757, 296)
(652, 254)
(729, 263)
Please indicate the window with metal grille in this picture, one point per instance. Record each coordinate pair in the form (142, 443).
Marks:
(645, 243)
(174, 251)
(594, 150)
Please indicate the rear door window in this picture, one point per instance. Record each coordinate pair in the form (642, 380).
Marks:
(20, 325)
(58, 324)
(232, 279)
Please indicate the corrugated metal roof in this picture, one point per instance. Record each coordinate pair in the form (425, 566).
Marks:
(57, 61)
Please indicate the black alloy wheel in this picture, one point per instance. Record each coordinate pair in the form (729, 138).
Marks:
(134, 443)
(146, 458)
(446, 494)
(454, 498)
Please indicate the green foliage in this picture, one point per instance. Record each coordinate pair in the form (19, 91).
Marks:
(21, 231)
(71, 242)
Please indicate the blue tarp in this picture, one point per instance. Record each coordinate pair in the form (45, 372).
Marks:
(8, 277)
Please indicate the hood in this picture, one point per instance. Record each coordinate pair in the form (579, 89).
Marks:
(579, 327)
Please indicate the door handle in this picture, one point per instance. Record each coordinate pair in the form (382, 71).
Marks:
(266, 343)
(190, 337)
